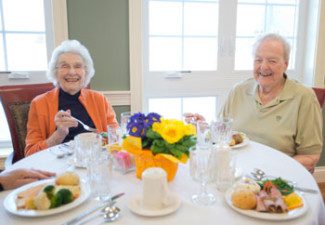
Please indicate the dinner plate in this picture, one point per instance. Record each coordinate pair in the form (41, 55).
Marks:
(245, 140)
(10, 201)
(135, 205)
(292, 214)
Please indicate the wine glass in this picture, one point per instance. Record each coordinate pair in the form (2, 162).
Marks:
(200, 172)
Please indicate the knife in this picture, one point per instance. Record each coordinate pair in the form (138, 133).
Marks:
(90, 211)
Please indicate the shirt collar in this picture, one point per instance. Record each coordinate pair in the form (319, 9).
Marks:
(285, 94)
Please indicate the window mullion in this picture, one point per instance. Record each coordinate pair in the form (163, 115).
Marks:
(226, 36)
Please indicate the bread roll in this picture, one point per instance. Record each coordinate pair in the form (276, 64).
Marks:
(244, 199)
(67, 178)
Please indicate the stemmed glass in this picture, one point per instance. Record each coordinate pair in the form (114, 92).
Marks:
(200, 171)
(223, 158)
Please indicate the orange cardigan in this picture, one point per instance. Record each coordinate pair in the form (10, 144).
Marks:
(44, 107)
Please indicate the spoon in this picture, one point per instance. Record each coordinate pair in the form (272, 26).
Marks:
(110, 214)
(258, 174)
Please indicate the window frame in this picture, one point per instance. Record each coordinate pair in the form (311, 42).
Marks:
(137, 67)
(56, 22)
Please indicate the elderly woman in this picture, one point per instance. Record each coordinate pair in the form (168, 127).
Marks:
(274, 110)
(51, 118)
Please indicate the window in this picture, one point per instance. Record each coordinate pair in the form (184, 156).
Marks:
(22, 32)
(201, 48)
(27, 40)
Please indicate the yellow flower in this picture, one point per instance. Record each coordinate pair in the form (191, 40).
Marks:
(170, 130)
(190, 129)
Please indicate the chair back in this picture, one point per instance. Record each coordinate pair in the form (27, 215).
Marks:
(16, 100)
(320, 93)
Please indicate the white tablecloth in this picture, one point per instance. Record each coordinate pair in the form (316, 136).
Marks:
(252, 156)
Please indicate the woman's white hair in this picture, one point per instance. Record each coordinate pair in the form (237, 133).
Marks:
(70, 46)
(274, 37)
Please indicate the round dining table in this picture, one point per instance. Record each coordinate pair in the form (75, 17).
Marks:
(253, 155)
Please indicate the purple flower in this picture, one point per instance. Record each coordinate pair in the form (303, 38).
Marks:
(136, 125)
(135, 129)
(139, 123)
(152, 118)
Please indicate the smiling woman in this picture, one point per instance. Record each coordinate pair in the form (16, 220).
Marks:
(53, 116)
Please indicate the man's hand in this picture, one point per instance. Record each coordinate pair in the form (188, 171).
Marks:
(16, 178)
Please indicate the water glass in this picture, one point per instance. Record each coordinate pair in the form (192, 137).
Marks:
(221, 130)
(112, 134)
(223, 167)
(203, 134)
(84, 144)
(200, 171)
(125, 117)
(99, 168)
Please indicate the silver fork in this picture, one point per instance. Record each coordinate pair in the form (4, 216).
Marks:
(85, 126)
(259, 174)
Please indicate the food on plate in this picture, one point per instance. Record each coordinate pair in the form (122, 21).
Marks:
(41, 201)
(293, 201)
(247, 184)
(281, 184)
(274, 196)
(67, 178)
(244, 199)
(237, 138)
(65, 189)
(270, 199)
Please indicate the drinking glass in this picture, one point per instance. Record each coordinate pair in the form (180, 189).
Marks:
(200, 171)
(203, 134)
(100, 173)
(221, 131)
(112, 135)
(125, 117)
(223, 158)
(84, 144)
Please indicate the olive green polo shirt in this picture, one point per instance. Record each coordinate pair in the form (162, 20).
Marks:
(291, 123)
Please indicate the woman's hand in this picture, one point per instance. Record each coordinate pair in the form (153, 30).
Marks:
(63, 121)
(16, 178)
(193, 117)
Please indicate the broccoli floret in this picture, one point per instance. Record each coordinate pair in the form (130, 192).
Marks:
(56, 201)
(66, 195)
(49, 190)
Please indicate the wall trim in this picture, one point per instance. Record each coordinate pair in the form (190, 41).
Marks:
(60, 21)
(118, 98)
(135, 49)
(319, 174)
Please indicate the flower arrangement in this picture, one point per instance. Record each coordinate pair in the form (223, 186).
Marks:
(153, 136)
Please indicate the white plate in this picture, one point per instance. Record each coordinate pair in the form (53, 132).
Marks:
(10, 201)
(135, 205)
(292, 214)
(244, 143)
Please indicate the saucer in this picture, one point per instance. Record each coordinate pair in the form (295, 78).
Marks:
(135, 205)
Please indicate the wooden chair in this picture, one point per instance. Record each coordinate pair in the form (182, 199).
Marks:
(16, 101)
(320, 93)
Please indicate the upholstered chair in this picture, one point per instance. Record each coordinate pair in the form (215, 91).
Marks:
(16, 100)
